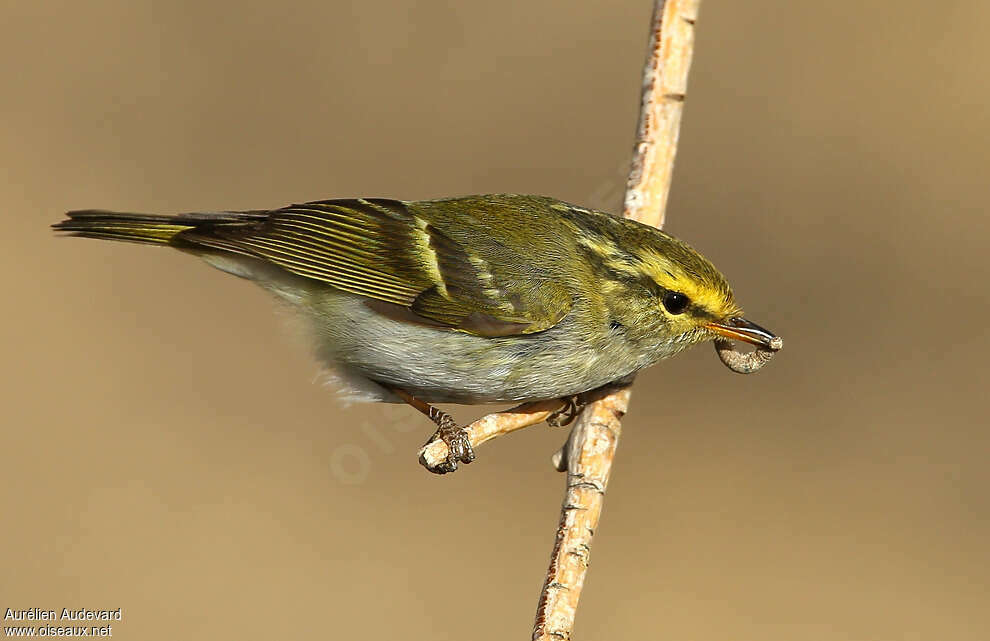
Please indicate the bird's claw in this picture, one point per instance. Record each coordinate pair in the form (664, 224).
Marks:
(458, 444)
(566, 414)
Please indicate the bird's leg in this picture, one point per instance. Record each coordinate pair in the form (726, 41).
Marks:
(566, 414)
(457, 439)
(435, 453)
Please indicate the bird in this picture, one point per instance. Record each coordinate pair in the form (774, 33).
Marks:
(470, 299)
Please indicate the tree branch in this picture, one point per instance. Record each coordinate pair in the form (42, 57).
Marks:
(595, 436)
(664, 89)
(488, 427)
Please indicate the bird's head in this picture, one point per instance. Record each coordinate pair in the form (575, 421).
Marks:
(692, 301)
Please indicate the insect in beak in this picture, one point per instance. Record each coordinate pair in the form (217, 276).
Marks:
(743, 330)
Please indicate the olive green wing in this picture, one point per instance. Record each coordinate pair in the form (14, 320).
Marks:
(383, 250)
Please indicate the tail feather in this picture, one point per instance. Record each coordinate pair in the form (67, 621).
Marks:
(144, 228)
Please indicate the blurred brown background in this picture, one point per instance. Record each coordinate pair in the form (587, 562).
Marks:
(164, 449)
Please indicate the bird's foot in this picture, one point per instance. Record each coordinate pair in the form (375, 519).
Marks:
(458, 443)
(457, 439)
(563, 417)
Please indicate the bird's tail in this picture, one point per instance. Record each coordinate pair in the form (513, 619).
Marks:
(111, 225)
(149, 229)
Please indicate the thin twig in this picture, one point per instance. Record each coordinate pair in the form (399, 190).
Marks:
(589, 453)
(488, 427)
(664, 89)
(595, 435)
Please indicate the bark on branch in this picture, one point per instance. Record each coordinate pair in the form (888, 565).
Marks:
(595, 435)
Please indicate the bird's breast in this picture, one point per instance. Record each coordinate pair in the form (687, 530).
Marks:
(441, 365)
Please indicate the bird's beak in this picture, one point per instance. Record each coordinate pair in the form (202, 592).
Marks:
(740, 329)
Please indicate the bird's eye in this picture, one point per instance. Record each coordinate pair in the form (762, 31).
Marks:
(675, 302)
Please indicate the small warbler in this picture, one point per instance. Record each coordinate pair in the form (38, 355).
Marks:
(475, 299)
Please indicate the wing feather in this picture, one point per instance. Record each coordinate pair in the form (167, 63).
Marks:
(387, 251)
